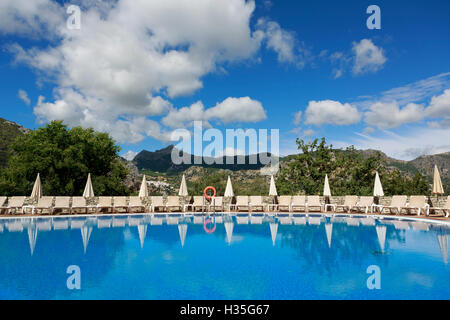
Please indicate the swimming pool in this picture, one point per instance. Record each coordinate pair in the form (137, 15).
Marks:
(143, 257)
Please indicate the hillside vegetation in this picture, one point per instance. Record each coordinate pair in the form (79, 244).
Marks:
(9, 131)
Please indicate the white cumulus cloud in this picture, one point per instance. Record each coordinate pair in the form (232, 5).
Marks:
(367, 57)
(331, 112)
(230, 110)
(389, 115)
(131, 57)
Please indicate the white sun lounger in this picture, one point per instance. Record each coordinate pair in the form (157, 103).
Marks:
(284, 203)
(62, 204)
(105, 203)
(44, 203)
(174, 204)
(397, 203)
(241, 203)
(216, 204)
(256, 203)
(198, 204)
(157, 203)
(418, 204)
(3, 206)
(364, 204)
(79, 203)
(313, 204)
(298, 204)
(15, 204)
(445, 208)
(349, 203)
(120, 203)
(136, 203)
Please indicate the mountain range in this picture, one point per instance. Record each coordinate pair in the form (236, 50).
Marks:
(160, 161)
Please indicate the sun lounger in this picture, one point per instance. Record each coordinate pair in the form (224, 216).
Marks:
(445, 208)
(242, 203)
(199, 204)
(349, 203)
(313, 204)
(418, 204)
(284, 203)
(105, 203)
(173, 204)
(136, 203)
(3, 206)
(120, 204)
(62, 204)
(44, 203)
(397, 203)
(298, 204)
(363, 205)
(256, 203)
(79, 204)
(15, 204)
(157, 203)
(216, 204)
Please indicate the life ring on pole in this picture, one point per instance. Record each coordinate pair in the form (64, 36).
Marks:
(208, 197)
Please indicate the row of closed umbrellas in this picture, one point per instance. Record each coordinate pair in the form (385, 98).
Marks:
(183, 191)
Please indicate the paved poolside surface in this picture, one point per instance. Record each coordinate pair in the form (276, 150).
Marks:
(431, 217)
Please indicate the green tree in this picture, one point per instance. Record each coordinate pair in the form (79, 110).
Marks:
(64, 157)
(349, 172)
(394, 183)
(305, 172)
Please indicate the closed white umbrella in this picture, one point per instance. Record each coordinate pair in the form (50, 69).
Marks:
(85, 236)
(143, 192)
(273, 231)
(437, 183)
(443, 245)
(229, 189)
(183, 192)
(381, 233)
(326, 187)
(229, 230)
(182, 230)
(329, 231)
(88, 189)
(142, 231)
(273, 188)
(37, 188)
(378, 188)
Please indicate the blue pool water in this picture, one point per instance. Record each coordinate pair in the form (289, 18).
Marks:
(140, 257)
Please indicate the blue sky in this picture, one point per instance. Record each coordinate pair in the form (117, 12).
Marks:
(141, 69)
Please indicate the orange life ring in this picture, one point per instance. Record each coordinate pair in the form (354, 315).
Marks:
(206, 195)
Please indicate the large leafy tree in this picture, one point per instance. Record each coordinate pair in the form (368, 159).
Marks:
(64, 157)
(349, 172)
(306, 170)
